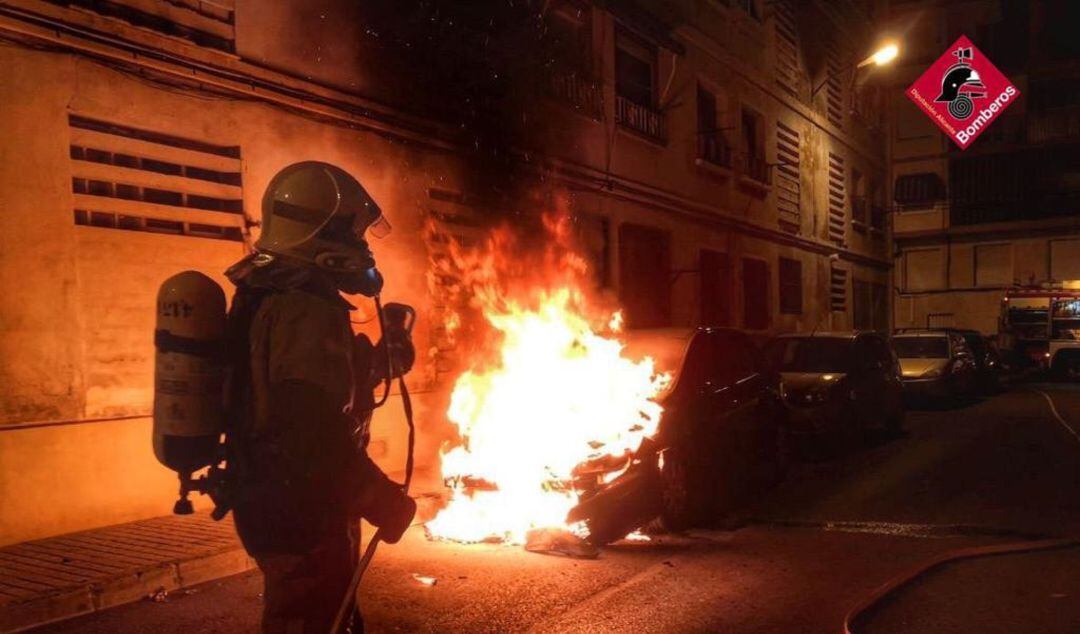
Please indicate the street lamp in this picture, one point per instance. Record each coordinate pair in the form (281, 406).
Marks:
(881, 57)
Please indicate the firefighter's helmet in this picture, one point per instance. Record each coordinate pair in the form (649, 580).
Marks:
(318, 213)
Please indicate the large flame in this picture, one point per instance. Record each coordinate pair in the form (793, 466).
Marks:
(554, 394)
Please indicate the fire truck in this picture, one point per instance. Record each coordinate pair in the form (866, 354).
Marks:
(1042, 323)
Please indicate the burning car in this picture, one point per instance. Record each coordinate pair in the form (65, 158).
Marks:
(565, 425)
(720, 443)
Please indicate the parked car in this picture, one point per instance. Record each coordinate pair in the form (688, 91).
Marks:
(989, 366)
(838, 384)
(935, 364)
(720, 441)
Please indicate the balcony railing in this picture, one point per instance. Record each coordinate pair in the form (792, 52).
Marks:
(1058, 124)
(580, 93)
(712, 148)
(639, 118)
(754, 167)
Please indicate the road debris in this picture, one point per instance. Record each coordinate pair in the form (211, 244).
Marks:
(425, 580)
(160, 595)
(559, 541)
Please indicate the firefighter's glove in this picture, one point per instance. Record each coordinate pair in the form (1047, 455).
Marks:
(393, 516)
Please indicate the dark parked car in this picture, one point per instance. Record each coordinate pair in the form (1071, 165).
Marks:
(720, 441)
(838, 384)
(936, 364)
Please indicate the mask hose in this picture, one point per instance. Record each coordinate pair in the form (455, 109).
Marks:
(389, 358)
(369, 552)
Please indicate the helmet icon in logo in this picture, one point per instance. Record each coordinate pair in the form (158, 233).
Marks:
(960, 85)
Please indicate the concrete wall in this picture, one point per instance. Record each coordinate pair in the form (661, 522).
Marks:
(77, 302)
(963, 283)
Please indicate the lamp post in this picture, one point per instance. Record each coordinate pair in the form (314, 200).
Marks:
(881, 57)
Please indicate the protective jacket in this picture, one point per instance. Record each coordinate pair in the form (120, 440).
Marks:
(299, 397)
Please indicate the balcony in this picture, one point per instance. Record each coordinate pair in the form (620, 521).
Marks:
(583, 95)
(753, 169)
(640, 119)
(1057, 124)
(714, 150)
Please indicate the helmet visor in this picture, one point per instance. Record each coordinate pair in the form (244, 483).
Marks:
(380, 228)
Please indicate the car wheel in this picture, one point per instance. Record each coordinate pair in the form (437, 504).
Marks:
(681, 495)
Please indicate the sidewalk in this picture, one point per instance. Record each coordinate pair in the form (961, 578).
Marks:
(60, 577)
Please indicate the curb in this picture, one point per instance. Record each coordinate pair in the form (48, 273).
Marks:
(132, 586)
(919, 570)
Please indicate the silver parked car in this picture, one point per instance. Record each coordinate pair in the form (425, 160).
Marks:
(936, 364)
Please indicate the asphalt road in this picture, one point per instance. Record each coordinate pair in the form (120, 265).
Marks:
(1000, 470)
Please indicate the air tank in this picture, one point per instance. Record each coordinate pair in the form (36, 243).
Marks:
(189, 372)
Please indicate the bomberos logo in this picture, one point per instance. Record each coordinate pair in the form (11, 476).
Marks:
(970, 92)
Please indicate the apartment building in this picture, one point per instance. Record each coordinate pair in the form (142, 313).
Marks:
(970, 224)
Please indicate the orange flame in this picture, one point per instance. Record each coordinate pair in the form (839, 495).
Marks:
(554, 393)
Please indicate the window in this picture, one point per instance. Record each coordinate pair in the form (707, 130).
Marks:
(209, 23)
(635, 87)
(810, 354)
(863, 317)
(918, 190)
(635, 70)
(570, 37)
(859, 202)
(837, 229)
(993, 265)
(752, 159)
(924, 269)
(751, 133)
(878, 212)
(788, 178)
(644, 273)
(755, 294)
(750, 7)
(716, 288)
(838, 290)
(1065, 259)
(712, 146)
(790, 286)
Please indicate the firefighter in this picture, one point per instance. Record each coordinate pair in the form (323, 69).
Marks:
(300, 397)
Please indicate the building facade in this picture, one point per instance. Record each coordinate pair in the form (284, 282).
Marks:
(726, 167)
(1005, 212)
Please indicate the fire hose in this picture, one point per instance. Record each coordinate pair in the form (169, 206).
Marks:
(369, 553)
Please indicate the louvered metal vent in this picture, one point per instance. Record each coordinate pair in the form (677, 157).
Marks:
(787, 184)
(140, 180)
